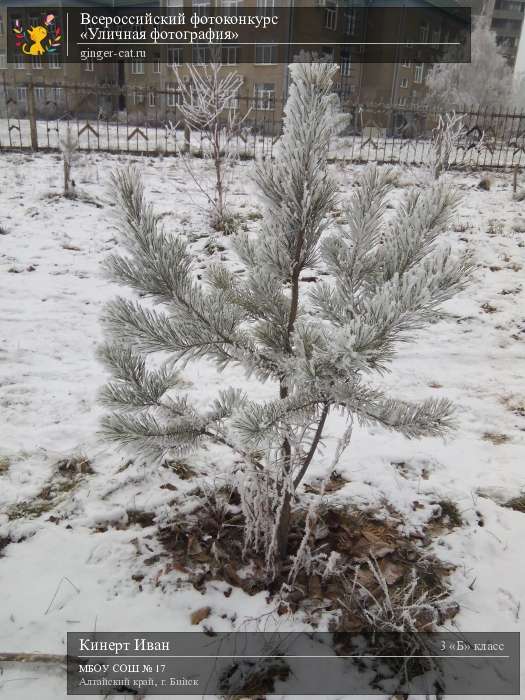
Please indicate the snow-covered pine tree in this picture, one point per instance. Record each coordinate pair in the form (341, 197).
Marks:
(486, 81)
(209, 105)
(319, 344)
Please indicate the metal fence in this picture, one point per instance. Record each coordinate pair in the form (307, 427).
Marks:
(109, 118)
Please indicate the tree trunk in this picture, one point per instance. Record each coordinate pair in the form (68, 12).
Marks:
(283, 527)
(66, 175)
(218, 175)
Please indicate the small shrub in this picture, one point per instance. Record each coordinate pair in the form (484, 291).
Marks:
(451, 513)
(227, 223)
(496, 438)
(495, 227)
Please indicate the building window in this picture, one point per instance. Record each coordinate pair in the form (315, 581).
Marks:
(174, 6)
(40, 94)
(3, 59)
(54, 61)
(418, 74)
(436, 36)
(346, 64)
(424, 31)
(1, 24)
(156, 65)
(230, 55)
(152, 99)
(89, 66)
(137, 68)
(265, 8)
(21, 93)
(264, 96)
(350, 22)
(330, 16)
(327, 53)
(37, 63)
(404, 83)
(201, 7)
(506, 42)
(138, 97)
(230, 7)
(402, 101)
(174, 57)
(173, 95)
(58, 94)
(233, 102)
(200, 53)
(266, 53)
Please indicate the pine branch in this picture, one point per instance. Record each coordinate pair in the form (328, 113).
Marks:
(313, 447)
(256, 422)
(134, 386)
(431, 418)
(148, 436)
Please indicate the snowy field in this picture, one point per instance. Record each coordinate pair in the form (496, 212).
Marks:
(77, 563)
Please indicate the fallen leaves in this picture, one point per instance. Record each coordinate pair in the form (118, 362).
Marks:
(197, 616)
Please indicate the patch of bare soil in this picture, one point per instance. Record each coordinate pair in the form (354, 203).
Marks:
(253, 678)
(67, 475)
(374, 558)
(517, 503)
(334, 483)
(4, 541)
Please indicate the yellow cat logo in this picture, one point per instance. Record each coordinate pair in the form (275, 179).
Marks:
(36, 41)
(37, 36)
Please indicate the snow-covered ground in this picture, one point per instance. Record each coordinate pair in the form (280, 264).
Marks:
(76, 565)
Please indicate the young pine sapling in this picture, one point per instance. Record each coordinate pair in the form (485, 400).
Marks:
(317, 345)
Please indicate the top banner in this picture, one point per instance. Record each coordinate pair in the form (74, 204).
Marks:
(199, 32)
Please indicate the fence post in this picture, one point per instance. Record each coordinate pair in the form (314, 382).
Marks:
(31, 110)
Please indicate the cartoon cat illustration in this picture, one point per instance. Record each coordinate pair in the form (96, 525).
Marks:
(37, 36)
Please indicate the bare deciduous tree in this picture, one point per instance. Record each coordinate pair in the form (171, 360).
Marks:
(68, 148)
(210, 105)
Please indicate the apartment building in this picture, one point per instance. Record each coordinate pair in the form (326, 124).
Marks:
(151, 92)
(264, 67)
(506, 20)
